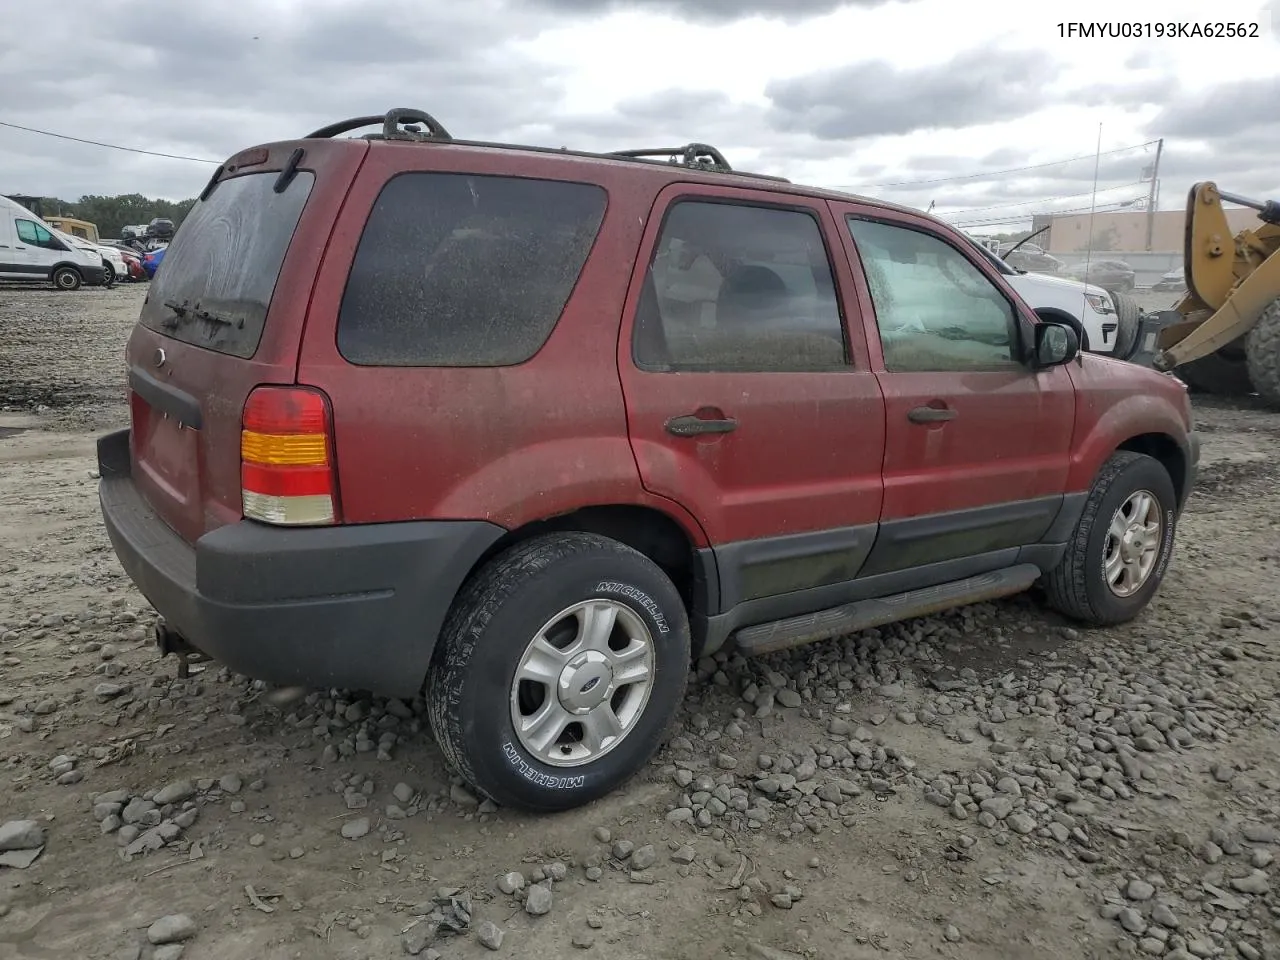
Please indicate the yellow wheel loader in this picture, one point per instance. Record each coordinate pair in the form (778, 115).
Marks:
(1223, 335)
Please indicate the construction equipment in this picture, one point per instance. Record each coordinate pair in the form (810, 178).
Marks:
(1223, 335)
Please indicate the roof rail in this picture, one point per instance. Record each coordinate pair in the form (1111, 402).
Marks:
(402, 123)
(701, 156)
(406, 123)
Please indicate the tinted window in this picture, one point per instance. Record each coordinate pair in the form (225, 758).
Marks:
(224, 262)
(457, 270)
(934, 309)
(735, 287)
(26, 231)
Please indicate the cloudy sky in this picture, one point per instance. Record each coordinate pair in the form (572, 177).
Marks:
(919, 101)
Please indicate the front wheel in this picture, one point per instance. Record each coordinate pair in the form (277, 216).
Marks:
(558, 671)
(1120, 549)
(109, 277)
(67, 278)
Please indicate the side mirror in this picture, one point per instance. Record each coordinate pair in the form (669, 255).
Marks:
(1055, 344)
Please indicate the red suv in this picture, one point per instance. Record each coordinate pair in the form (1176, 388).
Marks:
(524, 430)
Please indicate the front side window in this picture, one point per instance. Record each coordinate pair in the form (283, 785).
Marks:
(733, 287)
(935, 310)
(31, 232)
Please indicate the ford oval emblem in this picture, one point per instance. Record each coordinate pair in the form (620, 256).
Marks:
(160, 357)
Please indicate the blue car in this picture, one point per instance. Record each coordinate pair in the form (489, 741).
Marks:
(151, 261)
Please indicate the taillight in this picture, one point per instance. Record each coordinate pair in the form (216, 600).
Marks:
(287, 473)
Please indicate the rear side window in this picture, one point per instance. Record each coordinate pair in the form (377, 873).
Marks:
(458, 270)
(214, 285)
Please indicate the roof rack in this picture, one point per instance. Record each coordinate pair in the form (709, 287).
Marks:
(701, 156)
(697, 156)
(401, 123)
(406, 123)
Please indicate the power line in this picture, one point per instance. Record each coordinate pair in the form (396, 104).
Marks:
(992, 173)
(1023, 203)
(999, 221)
(99, 143)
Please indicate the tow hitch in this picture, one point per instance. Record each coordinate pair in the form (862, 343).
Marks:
(169, 641)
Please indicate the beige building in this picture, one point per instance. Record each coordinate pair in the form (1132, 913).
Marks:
(1127, 230)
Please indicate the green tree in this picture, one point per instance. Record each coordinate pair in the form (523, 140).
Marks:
(113, 214)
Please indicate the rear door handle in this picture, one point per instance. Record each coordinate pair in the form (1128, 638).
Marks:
(691, 426)
(931, 414)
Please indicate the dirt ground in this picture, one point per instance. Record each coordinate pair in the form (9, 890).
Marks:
(991, 783)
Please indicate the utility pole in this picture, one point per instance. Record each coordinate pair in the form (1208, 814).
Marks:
(1153, 193)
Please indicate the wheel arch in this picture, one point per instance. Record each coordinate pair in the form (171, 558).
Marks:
(647, 529)
(1168, 452)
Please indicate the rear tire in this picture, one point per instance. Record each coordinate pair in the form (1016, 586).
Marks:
(1217, 375)
(109, 277)
(535, 612)
(67, 278)
(1117, 555)
(1262, 350)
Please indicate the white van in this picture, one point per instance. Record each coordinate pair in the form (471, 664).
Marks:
(112, 262)
(31, 250)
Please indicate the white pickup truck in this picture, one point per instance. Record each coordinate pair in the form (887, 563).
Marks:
(1107, 322)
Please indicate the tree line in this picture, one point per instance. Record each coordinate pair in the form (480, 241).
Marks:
(113, 214)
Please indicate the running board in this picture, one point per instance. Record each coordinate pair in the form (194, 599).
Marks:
(864, 614)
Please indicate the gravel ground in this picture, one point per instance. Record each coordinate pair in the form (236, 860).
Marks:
(990, 783)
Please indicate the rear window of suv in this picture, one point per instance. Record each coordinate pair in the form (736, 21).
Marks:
(214, 285)
(459, 270)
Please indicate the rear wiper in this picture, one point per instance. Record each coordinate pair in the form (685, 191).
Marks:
(181, 310)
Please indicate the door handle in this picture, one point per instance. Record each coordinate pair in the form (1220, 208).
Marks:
(691, 426)
(931, 414)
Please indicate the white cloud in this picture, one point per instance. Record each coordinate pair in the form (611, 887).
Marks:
(822, 92)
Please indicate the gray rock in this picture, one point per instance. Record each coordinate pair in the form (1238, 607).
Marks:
(511, 882)
(1132, 920)
(419, 939)
(109, 691)
(603, 834)
(623, 849)
(998, 807)
(489, 934)
(644, 857)
(170, 951)
(1163, 914)
(1152, 946)
(1021, 823)
(1139, 890)
(685, 855)
(231, 783)
(462, 796)
(538, 901)
(174, 928)
(1260, 833)
(789, 698)
(355, 829)
(136, 810)
(951, 934)
(175, 792)
(403, 793)
(1256, 882)
(21, 835)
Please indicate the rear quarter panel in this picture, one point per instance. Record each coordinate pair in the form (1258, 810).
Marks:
(1116, 401)
(507, 444)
